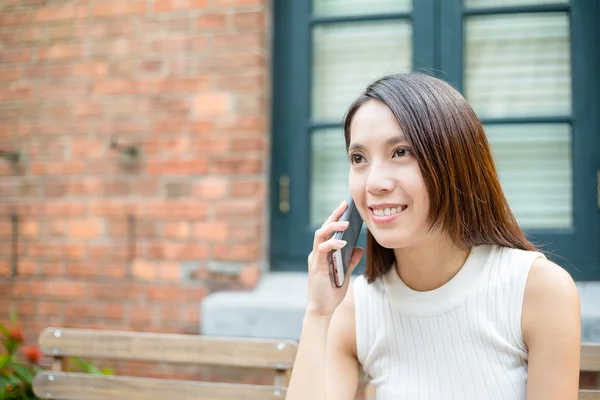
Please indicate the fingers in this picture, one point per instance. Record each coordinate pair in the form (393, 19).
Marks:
(324, 233)
(331, 244)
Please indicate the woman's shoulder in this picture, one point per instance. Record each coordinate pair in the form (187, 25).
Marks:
(550, 291)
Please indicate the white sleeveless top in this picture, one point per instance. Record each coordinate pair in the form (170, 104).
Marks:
(461, 341)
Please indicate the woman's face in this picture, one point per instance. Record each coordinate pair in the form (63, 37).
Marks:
(385, 179)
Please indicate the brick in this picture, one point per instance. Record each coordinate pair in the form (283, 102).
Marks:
(253, 82)
(241, 123)
(174, 44)
(88, 148)
(237, 165)
(177, 167)
(174, 5)
(174, 251)
(57, 32)
(115, 290)
(239, 208)
(118, 8)
(15, 94)
(29, 228)
(237, 252)
(212, 22)
(177, 230)
(84, 229)
(60, 289)
(48, 308)
(177, 209)
(115, 271)
(112, 252)
(84, 310)
(113, 311)
(250, 275)
(169, 271)
(233, 42)
(27, 268)
(104, 208)
(144, 270)
(16, 37)
(255, 20)
(210, 231)
(59, 208)
(212, 145)
(14, 18)
(83, 270)
(244, 231)
(211, 188)
(56, 251)
(141, 314)
(258, 143)
(60, 51)
(15, 55)
(115, 48)
(232, 3)
(64, 12)
(246, 188)
(88, 110)
(90, 69)
(56, 91)
(49, 268)
(58, 168)
(212, 104)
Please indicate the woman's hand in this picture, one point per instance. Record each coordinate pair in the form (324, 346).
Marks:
(323, 295)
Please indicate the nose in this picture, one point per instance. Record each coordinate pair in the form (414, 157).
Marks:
(379, 180)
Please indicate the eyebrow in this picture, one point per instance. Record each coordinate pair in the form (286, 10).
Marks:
(390, 142)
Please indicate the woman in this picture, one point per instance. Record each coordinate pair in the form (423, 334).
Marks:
(455, 302)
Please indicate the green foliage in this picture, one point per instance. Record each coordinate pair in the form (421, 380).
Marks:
(16, 377)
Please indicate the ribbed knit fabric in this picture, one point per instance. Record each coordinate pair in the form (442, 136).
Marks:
(461, 341)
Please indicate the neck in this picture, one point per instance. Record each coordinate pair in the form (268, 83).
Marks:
(429, 265)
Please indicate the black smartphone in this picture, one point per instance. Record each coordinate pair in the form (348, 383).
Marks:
(339, 259)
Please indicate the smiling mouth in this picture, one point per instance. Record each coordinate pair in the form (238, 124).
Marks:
(384, 212)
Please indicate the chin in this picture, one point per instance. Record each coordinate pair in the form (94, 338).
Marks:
(393, 239)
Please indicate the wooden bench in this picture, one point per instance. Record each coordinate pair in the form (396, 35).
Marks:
(275, 355)
(590, 362)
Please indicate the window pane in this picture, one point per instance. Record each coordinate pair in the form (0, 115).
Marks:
(500, 3)
(346, 57)
(329, 169)
(518, 65)
(357, 7)
(534, 164)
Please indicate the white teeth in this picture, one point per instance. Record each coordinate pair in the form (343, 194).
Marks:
(387, 211)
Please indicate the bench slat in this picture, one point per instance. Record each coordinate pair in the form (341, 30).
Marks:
(78, 386)
(169, 348)
(590, 357)
(589, 395)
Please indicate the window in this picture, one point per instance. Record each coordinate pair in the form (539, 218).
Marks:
(526, 66)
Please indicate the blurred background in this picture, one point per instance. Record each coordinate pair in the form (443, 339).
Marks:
(164, 163)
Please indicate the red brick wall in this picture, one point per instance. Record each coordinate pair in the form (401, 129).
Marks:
(187, 82)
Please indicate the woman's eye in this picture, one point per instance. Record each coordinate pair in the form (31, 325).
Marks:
(401, 152)
(356, 158)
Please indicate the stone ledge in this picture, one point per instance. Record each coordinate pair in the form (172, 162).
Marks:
(275, 308)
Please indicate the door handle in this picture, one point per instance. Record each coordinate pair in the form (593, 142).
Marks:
(284, 194)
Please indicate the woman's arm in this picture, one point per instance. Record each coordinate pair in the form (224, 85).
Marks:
(326, 367)
(324, 354)
(552, 333)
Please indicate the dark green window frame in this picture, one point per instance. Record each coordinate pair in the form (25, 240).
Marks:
(437, 39)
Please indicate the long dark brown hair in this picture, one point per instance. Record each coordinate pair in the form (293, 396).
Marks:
(448, 141)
